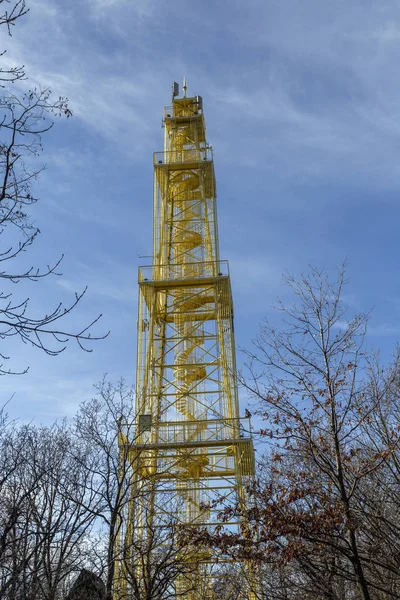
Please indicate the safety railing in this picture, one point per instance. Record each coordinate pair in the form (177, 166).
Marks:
(186, 432)
(189, 108)
(173, 272)
(184, 156)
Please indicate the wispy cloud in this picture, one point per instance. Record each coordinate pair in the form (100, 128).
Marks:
(105, 8)
(384, 329)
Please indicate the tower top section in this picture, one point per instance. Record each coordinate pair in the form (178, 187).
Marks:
(185, 106)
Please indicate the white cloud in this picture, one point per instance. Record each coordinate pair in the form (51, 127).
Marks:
(383, 329)
(103, 8)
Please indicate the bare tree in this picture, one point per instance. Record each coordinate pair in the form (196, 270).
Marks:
(16, 486)
(310, 378)
(10, 12)
(24, 117)
(98, 424)
(378, 496)
(46, 533)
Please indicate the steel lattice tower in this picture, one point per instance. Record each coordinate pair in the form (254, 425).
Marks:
(189, 447)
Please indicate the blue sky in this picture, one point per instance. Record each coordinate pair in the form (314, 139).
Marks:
(302, 104)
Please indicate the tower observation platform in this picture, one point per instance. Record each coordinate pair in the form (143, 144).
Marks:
(189, 450)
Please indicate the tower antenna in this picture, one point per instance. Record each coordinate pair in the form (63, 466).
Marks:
(175, 90)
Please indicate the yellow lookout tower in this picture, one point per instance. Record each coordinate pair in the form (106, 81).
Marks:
(189, 449)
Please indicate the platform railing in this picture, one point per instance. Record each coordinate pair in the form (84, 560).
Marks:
(184, 156)
(174, 272)
(186, 432)
(192, 108)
